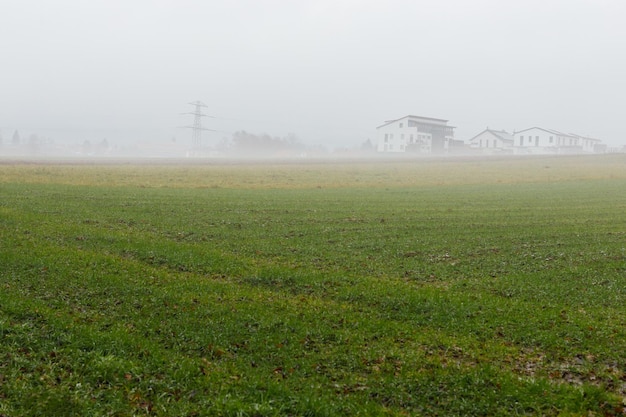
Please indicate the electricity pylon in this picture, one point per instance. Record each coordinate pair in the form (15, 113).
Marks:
(196, 128)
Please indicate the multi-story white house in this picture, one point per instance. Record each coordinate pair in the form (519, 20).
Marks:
(540, 140)
(490, 140)
(414, 134)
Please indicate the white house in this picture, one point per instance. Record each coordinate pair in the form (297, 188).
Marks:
(414, 134)
(540, 140)
(490, 140)
(589, 144)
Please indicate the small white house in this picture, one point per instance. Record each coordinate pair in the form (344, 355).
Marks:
(540, 140)
(414, 134)
(590, 144)
(490, 141)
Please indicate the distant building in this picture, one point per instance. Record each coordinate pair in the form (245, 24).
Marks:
(591, 144)
(492, 141)
(540, 140)
(415, 134)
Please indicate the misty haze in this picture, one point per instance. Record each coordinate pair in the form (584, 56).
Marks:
(80, 77)
(273, 208)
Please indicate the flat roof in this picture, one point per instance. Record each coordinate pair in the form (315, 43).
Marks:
(426, 119)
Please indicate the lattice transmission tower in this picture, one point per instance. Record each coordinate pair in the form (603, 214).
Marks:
(196, 128)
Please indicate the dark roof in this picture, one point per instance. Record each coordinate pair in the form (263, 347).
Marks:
(585, 137)
(427, 118)
(432, 119)
(500, 134)
(554, 132)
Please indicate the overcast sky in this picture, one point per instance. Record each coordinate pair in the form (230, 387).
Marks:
(329, 71)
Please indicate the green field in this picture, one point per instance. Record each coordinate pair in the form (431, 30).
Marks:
(441, 287)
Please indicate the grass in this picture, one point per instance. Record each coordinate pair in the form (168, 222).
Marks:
(491, 287)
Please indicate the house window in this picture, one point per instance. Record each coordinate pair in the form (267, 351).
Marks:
(551, 139)
(536, 140)
(521, 141)
(400, 124)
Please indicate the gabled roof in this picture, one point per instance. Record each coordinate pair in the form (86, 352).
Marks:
(585, 137)
(500, 134)
(554, 132)
(503, 135)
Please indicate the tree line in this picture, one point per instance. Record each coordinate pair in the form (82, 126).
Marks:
(243, 142)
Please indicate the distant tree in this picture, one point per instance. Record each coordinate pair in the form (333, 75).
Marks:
(102, 147)
(16, 138)
(87, 148)
(367, 146)
(263, 145)
(33, 142)
(292, 139)
(223, 145)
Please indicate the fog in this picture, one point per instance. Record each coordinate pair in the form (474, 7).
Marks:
(325, 72)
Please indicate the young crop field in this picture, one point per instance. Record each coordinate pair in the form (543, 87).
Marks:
(449, 287)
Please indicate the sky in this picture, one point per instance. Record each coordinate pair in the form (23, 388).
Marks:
(328, 71)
